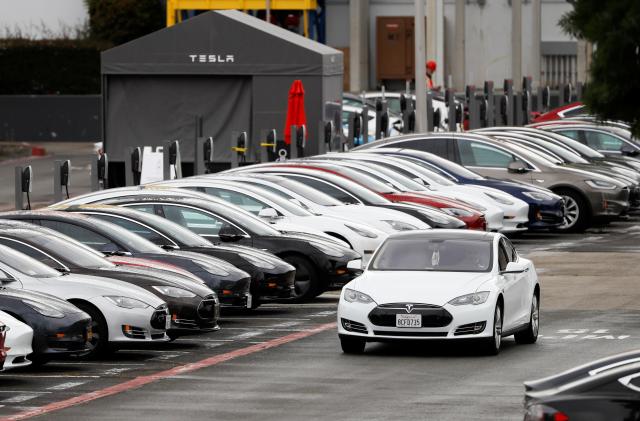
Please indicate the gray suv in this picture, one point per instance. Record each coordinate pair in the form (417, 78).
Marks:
(589, 197)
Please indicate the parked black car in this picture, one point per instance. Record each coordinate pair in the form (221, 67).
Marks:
(194, 308)
(271, 277)
(230, 283)
(60, 329)
(607, 389)
(319, 263)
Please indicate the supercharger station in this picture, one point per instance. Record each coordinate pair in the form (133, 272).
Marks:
(452, 109)
(61, 178)
(23, 186)
(100, 172)
(172, 161)
(490, 104)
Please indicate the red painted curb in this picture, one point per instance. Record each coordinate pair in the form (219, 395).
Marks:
(181, 369)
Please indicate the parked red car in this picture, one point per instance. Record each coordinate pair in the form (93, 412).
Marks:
(574, 109)
(472, 217)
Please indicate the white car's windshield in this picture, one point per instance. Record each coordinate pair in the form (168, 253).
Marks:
(420, 254)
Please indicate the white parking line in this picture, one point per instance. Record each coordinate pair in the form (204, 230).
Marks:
(286, 324)
(323, 313)
(65, 386)
(222, 319)
(20, 398)
(49, 376)
(248, 335)
(96, 363)
(115, 371)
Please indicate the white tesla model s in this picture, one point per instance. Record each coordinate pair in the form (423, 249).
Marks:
(442, 284)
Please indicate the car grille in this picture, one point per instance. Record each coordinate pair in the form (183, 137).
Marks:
(432, 315)
(352, 326)
(207, 308)
(470, 329)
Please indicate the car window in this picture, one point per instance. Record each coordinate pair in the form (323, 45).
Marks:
(512, 255)
(31, 252)
(326, 188)
(83, 235)
(477, 154)
(197, 221)
(503, 258)
(136, 228)
(435, 146)
(602, 141)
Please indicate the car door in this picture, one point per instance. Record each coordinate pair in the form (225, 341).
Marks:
(489, 160)
(522, 287)
(510, 291)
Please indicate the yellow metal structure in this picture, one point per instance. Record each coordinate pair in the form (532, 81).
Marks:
(175, 6)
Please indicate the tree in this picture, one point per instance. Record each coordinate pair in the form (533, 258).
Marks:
(120, 21)
(614, 28)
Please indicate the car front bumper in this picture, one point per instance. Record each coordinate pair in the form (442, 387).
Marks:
(609, 203)
(462, 317)
(134, 325)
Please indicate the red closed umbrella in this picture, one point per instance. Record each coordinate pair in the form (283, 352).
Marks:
(295, 110)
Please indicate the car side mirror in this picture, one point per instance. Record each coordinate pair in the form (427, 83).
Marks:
(517, 167)
(268, 213)
(515, 267)
(419, 181)
(629, 151)
(229, 233)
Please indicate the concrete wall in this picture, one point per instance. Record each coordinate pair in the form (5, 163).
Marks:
(42, 18)
(487, 32)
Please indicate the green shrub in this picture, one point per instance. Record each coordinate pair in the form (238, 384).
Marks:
(120, 21)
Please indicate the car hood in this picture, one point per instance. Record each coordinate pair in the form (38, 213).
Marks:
(380, 214)
(436, 288)
(40, 297)
(85, 286)
(199, 257)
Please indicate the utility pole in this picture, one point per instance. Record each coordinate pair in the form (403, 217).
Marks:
(420, 74)
(359, 45)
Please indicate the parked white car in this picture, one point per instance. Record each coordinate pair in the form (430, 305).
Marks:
(515, 212)
(442, 284)
(17, 343)
(120, 312)
(387, 220)
(275, 210)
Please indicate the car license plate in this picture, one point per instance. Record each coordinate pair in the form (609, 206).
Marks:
(167, 321)
(408, 320)
(249, 300)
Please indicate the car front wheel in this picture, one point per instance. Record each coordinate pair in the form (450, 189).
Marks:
(530, 334)
(492, 344)
(576, 213)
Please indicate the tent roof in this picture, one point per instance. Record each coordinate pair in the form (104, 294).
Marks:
(226, 42)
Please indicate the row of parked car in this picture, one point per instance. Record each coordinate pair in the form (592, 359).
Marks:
(150, 263)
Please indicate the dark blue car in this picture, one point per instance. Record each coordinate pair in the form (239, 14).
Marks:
(546, 209)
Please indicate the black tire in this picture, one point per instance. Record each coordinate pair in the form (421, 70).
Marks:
(491, 346)
(100, 338)
(577, 211)
(530, 334)
(307, 282)
(352, 344)
(172, 336)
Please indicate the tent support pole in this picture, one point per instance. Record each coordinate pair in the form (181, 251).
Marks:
(305, 14)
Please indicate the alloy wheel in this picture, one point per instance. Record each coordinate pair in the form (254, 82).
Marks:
(535, 316)
(497, 328)
(571, 212)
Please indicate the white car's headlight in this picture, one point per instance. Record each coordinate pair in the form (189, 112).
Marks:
(457, 212)
(475, 299)
(259, 263)
(400, 226)
(327, 249)
(500, 199)
(354, 296)
(361, 231)
(600, 185)
(173, 291)
(44, 309)
(126, 302)
(536, 195)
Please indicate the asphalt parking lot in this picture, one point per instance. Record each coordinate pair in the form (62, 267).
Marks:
(283, 361)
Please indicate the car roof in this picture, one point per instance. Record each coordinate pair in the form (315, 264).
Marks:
(446, 234)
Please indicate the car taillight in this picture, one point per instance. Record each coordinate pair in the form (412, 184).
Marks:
(544, 413)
